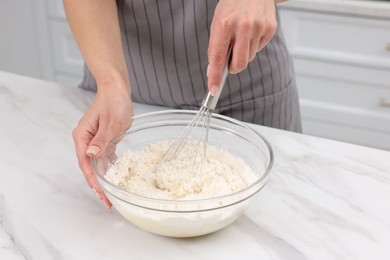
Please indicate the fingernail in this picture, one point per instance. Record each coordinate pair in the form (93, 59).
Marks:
(214, 90)
(93, 150)
(96, 193)
(207, 73)
(108, 206)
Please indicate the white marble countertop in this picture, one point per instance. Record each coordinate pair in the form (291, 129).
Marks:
(324, 199)
(367, 8)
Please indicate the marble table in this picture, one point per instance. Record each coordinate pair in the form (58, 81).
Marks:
(324, 199)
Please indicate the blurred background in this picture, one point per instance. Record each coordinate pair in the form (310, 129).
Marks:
(341, 51)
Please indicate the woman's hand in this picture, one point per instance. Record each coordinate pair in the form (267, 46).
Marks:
(95, 25)
(247, 25)
(108, 116)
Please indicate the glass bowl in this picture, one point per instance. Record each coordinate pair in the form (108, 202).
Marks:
(185, 218)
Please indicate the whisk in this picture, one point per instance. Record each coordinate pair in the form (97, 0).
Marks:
(189, 150)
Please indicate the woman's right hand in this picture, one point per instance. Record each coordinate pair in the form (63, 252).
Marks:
(108, 116)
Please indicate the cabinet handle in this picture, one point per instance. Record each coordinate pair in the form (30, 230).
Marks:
(387, 46)
(384, 103)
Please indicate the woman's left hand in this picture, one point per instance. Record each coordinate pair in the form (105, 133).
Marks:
(247, 25)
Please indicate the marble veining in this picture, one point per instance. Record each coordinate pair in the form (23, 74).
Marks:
(324, 199)
(10, 247)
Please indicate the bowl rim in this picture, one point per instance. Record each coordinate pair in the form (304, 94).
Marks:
(187, 201)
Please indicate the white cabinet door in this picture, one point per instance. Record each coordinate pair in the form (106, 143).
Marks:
(67, 56)
(358, 41)
(56, 9)
(20, 50)
(342, 65)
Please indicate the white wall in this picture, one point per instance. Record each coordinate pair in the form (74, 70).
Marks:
(19, 41)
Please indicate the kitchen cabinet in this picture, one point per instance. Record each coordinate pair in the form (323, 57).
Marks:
(342, 63)
(67, 59)
(21, 50)
(38, 42)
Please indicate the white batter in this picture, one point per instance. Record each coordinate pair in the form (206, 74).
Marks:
(222, 173)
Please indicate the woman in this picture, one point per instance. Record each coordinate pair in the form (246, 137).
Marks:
(170, 52)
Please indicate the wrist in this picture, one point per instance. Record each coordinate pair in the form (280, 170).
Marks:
(113, 81)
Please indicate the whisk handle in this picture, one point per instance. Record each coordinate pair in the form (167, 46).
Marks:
(211, 101)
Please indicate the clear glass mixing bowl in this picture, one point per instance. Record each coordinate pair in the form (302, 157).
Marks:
(185, 218)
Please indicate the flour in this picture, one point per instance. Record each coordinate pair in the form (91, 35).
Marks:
(139, 172)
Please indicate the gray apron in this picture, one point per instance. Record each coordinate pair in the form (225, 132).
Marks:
(165, 47)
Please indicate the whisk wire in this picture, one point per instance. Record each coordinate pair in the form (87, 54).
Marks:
(196, 151)
(205, 114)
(174, 151)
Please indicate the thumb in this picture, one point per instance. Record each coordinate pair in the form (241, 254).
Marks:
(99, 143)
